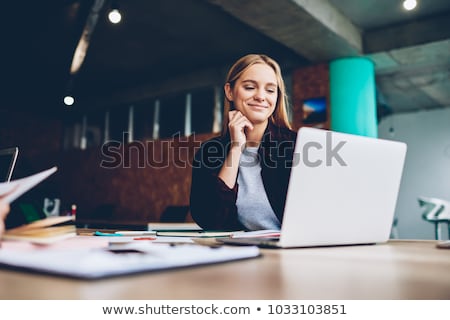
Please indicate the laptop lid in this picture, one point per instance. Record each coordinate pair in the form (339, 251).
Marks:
(8, 159)
(343, 189)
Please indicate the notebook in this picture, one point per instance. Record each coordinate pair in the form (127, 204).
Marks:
(343, 190)
(8, 159)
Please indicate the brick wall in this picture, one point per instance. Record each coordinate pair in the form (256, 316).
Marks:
(309, 82)
(147, 176)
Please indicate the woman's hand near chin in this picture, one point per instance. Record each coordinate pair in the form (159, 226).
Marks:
(237, 127)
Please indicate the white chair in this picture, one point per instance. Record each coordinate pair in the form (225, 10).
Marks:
(436, 211)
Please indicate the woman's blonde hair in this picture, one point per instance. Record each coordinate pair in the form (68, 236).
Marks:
(279, 117)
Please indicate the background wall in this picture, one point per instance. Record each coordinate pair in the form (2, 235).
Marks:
(427, 167)
(137, 193)
(151, 175)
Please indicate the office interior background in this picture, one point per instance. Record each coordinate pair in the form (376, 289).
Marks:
(154, 81)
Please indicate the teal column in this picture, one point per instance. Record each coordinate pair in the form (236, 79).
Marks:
(352, 94)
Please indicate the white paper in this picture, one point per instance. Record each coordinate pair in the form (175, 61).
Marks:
(10, 191)
(93, 263)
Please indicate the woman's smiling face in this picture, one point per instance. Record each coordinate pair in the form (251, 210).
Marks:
(255, 93)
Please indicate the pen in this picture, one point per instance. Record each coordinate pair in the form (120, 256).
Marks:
(135, 233)
(125, 233)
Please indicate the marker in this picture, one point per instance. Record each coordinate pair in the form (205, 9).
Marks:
(145, 238)
(98, 233)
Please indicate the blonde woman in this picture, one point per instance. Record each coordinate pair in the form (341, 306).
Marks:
(240, 179)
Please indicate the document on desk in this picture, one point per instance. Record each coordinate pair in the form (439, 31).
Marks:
(95, 263)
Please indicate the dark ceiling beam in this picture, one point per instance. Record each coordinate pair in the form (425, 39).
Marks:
(414, 33)
(83, 44)
(314, 29)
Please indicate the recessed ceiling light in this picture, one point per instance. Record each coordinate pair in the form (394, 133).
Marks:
(69, 100)
(410, 4)
(114, 16)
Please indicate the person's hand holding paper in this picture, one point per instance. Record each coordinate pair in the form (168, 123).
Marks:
(10, 191)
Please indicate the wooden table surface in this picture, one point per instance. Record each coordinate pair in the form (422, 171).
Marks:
(395, 270)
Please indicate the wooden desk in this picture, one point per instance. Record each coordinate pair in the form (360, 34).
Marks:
(396, 270)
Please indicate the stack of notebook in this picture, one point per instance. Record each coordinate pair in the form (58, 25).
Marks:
(45, 231)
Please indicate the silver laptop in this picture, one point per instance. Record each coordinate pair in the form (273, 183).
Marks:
(342, 191)
(8, 159)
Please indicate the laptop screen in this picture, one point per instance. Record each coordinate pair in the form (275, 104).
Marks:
(7, 162)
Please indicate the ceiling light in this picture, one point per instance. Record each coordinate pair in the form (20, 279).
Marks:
(114, 16)
(69, 100)
(409, 4)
